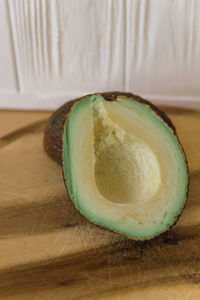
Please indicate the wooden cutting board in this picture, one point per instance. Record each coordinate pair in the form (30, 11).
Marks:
(48, 251)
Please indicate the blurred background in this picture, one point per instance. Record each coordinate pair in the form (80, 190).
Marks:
(53, 51)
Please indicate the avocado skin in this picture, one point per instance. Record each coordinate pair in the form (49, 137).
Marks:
(54, 132)
(53, 142)
(55, 124)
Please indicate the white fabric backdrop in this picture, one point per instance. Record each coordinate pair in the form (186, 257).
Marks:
(52, 51)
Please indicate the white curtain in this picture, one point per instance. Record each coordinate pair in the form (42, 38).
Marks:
(52, 51)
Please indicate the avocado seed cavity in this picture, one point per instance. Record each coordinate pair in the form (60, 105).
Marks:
(126, 169)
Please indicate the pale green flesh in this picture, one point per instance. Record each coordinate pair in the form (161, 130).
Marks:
(123, 166)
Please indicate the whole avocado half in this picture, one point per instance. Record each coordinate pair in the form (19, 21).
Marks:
(123, 165)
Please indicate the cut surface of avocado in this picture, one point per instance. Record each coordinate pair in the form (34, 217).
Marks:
(124, 167)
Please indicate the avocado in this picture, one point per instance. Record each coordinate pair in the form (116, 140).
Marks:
(123, 165)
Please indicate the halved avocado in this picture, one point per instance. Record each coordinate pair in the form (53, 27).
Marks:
(124, 167)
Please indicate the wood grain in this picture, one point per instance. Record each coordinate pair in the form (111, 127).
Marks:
(48, 251)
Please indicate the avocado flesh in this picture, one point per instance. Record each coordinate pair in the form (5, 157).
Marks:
(123, 166)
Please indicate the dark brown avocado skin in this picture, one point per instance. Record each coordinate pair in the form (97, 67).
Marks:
(55, 124)
(54, 131)
(53, 136)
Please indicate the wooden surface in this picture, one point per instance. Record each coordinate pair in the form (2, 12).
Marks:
(11, 121)
(48, 251)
